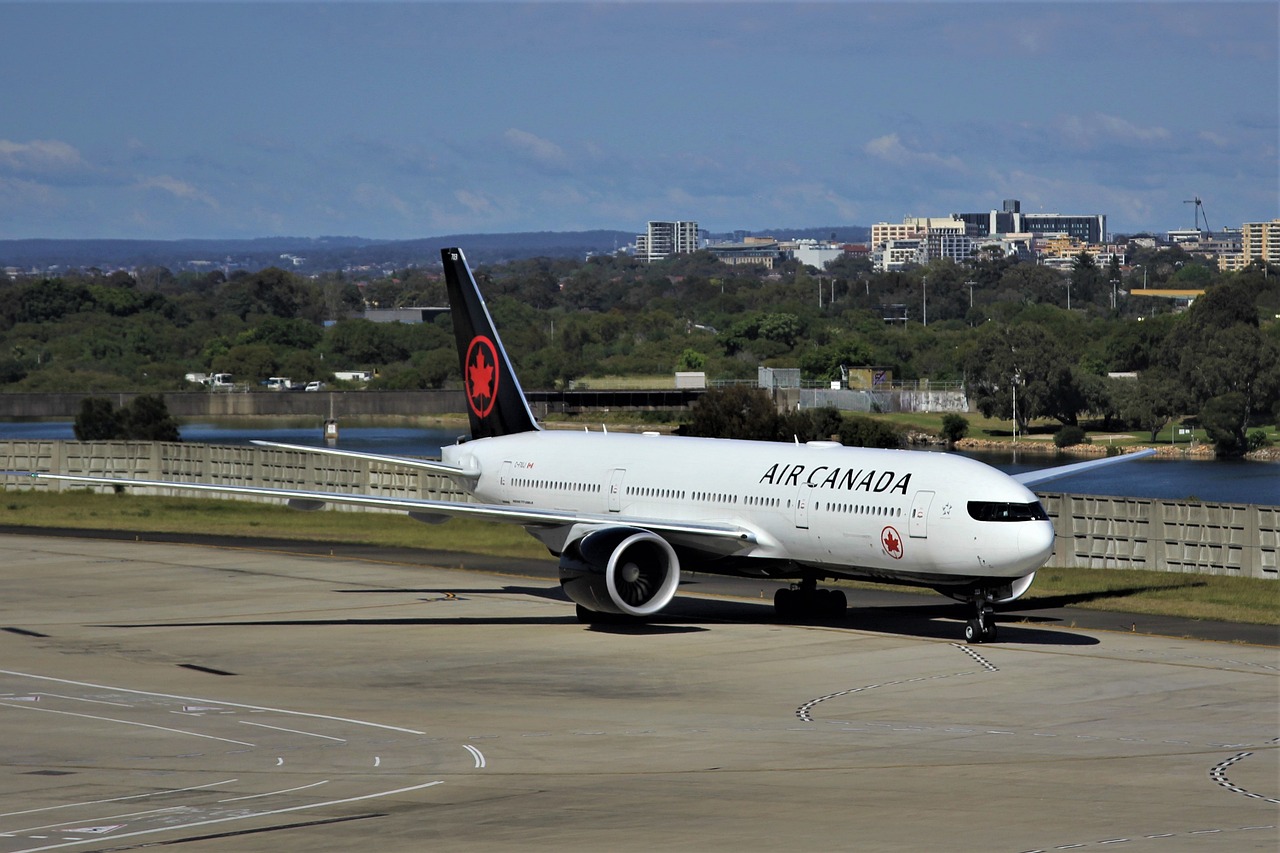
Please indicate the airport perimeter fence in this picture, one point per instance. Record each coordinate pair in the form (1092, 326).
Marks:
(1096, 532)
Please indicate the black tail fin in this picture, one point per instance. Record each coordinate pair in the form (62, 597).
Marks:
(495, 402)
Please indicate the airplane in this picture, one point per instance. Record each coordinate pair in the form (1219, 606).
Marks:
(625, 513)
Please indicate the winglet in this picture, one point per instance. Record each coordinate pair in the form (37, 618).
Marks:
(495, 402)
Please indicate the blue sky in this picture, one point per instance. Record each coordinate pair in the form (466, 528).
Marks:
(402, 120)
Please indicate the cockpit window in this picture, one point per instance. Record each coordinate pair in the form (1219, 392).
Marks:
(993, 511)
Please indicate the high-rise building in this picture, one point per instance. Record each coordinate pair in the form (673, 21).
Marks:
(1260, 241)
(663, 239)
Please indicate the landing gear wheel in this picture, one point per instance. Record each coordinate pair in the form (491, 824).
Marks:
(784, 603)
(981, 627)
(807, 603)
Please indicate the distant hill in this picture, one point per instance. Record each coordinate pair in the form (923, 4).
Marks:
(312, 254)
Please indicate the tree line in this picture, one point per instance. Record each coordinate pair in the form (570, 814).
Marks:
(1000, 326)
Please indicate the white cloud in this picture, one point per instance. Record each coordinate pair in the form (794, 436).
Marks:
(891, 149)
(1100, 129)
(40, 157)
(536, 150)
(375, 197)
(475, 202)
(176, 188)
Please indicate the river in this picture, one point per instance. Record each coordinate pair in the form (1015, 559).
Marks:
(1168, 479)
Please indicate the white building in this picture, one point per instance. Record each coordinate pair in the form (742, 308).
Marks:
(663, 239)
(899, 254)
(811, 253)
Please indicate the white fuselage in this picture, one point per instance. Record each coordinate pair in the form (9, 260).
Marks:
(854, 512)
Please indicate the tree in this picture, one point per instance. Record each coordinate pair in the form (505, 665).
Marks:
(147, 418)
(1084, 277)
(1028, 358)
(869, 432)
(691, 359)
(97, 420)
(1225, 419)
(954, 428)
(1149, 401)
(734, 412)
(248, 362)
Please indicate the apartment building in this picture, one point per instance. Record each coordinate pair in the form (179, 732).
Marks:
(663, 239)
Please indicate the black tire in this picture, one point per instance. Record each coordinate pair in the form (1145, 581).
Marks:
(784, 603)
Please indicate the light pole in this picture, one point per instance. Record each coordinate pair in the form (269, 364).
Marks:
(924, 295)
(970, 283)
(1015, 408)
(1114, 283)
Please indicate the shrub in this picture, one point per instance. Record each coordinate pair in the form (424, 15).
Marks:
(1069, 436)
(954, 428)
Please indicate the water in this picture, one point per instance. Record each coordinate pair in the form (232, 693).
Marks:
(1167, 479)
(390, 441)
(1227, 481)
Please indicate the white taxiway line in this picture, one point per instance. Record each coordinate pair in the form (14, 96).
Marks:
(292, 731)
(274, 793)
(212, 702)
(120, 799)
(125, 723)
(194, 824)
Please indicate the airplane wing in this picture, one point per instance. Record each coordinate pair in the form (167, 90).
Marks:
(720, 537)
(1044, 475)
(429, 465)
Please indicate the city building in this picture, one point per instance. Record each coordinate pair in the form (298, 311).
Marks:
(912, 227)
(1090, 228)
(752, 253)
(1260, 241)
(899, 254)
(663, 239)
(811, 253)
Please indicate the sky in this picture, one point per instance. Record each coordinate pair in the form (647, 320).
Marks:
(169, 120)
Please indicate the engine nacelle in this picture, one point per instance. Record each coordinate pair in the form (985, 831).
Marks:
(621, 570)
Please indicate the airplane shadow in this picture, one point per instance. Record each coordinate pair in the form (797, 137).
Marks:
(686, 615)
(1055, 601)
(939, 621)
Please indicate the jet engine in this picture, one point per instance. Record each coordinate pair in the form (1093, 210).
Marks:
(620, 570)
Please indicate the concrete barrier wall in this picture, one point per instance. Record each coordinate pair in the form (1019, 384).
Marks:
(218, 464)
(851, 400)
(1094, 532)
(1099, 532)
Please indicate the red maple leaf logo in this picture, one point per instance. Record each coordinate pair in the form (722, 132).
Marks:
(482, 376)
(892, 542)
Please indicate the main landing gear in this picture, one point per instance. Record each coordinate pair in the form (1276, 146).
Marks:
(981, 628)
(804, 601)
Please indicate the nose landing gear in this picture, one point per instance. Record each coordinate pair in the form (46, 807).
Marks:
(981, 628)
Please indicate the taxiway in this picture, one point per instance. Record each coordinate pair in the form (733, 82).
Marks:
(245, 699)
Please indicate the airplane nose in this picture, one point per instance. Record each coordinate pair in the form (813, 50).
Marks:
(1036, 540)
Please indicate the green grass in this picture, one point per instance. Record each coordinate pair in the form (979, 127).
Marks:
(86, 510)
(1191, 596)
